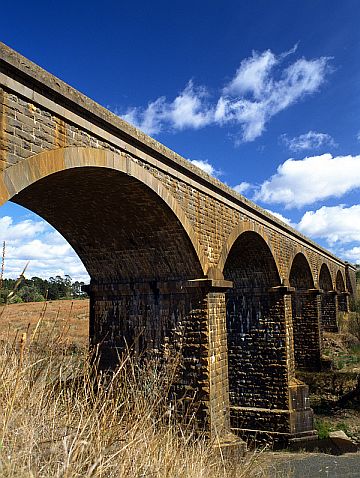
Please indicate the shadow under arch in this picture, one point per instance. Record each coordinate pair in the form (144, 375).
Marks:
(325, 280)
(305, 304)
(328, 302)
(131, 235)
(342, 294)
(259, 365)
(339, 282)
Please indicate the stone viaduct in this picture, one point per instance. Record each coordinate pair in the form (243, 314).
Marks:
(178, 261)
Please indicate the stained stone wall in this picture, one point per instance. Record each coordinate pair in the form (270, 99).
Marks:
(306, 309)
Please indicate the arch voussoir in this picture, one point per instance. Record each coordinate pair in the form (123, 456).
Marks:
(25, 173)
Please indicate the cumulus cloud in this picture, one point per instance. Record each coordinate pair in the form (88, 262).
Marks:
(352, 254)
(260, 89)
(310, 140)
(301, 182)
(187, 110)
(243, 187)
(335, 224)
(36, 241)
(23, 230)
(282, 218)
(338, 226)
(206, 166)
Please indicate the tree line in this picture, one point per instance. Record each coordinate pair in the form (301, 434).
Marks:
(37, 289)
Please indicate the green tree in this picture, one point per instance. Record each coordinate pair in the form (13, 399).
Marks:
(29, 293)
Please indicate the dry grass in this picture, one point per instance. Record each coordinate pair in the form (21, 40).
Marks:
(61, 419)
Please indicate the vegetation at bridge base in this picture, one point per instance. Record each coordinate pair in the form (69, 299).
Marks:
(37, 289)
(61, 419)
(324, 427)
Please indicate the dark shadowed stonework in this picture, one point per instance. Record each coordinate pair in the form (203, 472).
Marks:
(179, 263)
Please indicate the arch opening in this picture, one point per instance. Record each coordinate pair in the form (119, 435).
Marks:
(120, 229)
(305, 304)
(342, 297)
(328, 307)
(140, 251)
(258, 354)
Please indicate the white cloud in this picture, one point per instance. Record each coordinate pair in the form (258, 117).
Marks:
(188, 110)
(301, 182)
(242, 187)
(252, 75)
(254, 95)
(28, 228)
(282, 218)
(206, 166)
(335, 224)
(352, 255)
(36, 241)
(309, 140)
(149, 120)
(259, 90)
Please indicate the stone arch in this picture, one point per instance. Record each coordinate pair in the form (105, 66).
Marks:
(350, 279)
(299, 252)
(244, 226)
(144, 260)
(342, 296)
(26, 173)
(256, 330)
(328, 303)
(305, 306)
(300, 275)
(325, 281)
(130, 233)
(339, 282)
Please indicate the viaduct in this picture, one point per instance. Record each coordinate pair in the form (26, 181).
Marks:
(178, 261)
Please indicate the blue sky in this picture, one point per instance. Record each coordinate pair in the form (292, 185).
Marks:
(263, 95)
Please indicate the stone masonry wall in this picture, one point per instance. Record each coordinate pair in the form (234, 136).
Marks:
(307, 331)
(329, 312)
(169, 321)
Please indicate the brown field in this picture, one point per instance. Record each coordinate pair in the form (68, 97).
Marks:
(70, 318)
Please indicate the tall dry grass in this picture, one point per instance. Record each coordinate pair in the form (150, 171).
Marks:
(60, 419)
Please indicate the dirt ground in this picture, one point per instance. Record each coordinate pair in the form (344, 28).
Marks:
(68, 317)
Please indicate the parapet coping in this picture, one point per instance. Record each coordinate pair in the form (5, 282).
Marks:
(32, 74)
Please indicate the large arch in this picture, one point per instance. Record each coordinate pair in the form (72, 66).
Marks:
(306, 315)
(27, 172)
(137, 245)
(259, 341)
(328, 301)
(342, 295)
